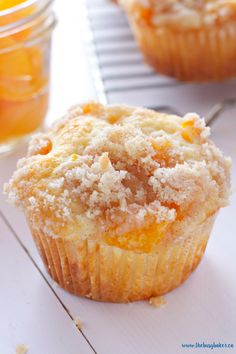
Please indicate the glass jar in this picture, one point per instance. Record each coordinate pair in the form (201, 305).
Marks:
(25, 36)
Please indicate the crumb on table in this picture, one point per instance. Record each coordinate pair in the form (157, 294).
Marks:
(157, 301)
(22, 349)
(77, 322)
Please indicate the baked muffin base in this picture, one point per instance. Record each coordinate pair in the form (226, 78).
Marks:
(207, 54)
(107, 273)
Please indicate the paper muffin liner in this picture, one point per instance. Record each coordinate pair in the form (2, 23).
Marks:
(207, 54)
(107, 273)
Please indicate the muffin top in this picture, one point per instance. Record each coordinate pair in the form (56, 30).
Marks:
(119, 170)
(189, 14)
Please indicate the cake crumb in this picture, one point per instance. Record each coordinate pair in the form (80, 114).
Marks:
(22, 349)
(157, 301)
(78, 322)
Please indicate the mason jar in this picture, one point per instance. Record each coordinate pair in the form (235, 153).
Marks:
(25, 40)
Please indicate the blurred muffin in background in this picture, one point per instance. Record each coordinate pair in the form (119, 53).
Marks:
(185, 39)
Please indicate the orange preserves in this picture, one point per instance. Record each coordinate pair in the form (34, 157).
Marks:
(141, 239)
(24, 69)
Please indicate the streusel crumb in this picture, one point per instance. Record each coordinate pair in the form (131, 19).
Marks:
(78, 322)
(157, 301)
(22, 349)
(118, 169)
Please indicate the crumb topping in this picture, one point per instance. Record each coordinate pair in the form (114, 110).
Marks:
(157, 301)
(78, 322)
(117, 169)
(187, 14)
(22, 349)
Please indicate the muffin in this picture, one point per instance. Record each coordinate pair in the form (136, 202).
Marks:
(189, 40)
(121, 200)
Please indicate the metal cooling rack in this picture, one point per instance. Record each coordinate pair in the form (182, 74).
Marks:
(121, 75)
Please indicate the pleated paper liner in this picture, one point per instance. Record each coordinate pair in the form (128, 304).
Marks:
(107, 273)
(207, 54)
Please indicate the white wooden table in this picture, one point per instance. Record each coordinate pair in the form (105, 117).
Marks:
(34, 311)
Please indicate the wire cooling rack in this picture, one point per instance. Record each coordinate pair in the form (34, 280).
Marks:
(122, 76)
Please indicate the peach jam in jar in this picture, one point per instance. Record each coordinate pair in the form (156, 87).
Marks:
(25, 36)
